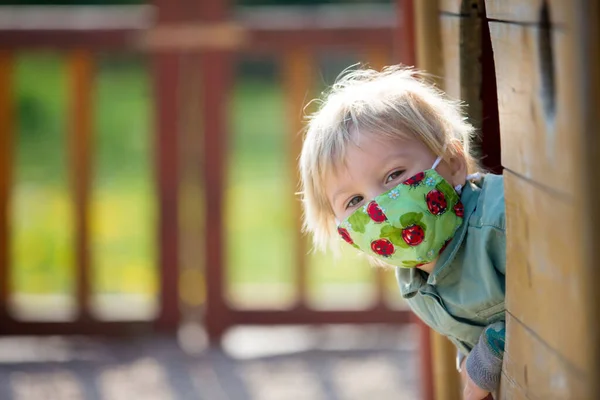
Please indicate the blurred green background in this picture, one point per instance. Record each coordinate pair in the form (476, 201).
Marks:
(260, 228)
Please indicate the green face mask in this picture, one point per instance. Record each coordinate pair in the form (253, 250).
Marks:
(409, 225)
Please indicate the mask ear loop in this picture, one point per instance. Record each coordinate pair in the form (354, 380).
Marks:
(472, 177)
(437, 162)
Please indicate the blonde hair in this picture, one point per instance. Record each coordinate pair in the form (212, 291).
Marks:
(394, 103)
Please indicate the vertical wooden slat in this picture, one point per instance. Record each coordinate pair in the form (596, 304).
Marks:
(405, 48)
(425, 359)
(446, 382)
(216, 70)
(587, 15)
(428, 43)
(80, 74)
(217, 75)
(6, 146)
(166, 95)
(167, 82)
(378, 58)
(298, 72)
(405, 36)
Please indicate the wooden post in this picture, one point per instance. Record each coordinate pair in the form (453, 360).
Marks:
(297, 73)
(406, 54)
(217, 74)
(429, 58)
(167, 81)
(588, 15)
(80, 72)
(405, 36)
(546, 61)
(6, 151)
(378, 58)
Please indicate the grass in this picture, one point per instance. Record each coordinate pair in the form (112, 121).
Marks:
(259, 188)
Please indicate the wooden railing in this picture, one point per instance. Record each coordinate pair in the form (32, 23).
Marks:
(208, 35)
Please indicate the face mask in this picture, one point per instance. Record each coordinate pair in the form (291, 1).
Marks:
(409, 225)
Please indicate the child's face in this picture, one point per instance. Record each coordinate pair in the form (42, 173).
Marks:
(379, 164)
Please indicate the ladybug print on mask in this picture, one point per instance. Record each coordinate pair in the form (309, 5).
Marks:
(436, 202)
(375, 212)
(382, 247)
(415, 180)
(409, 224)
(413, 235)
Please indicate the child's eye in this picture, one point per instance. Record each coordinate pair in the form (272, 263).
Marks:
(354, 201)
(393, 176)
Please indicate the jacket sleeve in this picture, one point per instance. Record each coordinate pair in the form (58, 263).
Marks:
(484, 363)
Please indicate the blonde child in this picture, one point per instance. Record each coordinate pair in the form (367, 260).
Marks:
(386, 166)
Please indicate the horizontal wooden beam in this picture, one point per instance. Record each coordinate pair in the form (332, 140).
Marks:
(205, 36)
(255, 29)
(308, 316)
(11, 327)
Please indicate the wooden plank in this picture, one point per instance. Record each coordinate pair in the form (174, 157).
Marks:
(129, 329)
(447, 379)
(450, 6)
(545, 269)
(167, 79)
(461, 44)
(442, 362)
(298, 69)
(588, 87)
(528, 12)
(536, 370)
(80, 150)
(217, 75)
(405, 33)
(428, 38)
(193, 37)
(509, 390)
(378, 58)
(306, 316)
(536, 97)
(450, 31)
(6, 151)
(262, 29)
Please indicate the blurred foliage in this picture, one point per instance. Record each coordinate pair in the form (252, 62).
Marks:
(259, 192)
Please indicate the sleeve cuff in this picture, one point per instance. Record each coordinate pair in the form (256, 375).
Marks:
(484, 368)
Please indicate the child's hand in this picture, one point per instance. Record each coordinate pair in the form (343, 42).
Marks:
(472, 391)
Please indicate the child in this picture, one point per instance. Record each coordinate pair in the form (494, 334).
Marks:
(386, 165)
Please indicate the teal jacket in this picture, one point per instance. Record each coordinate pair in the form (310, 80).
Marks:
(463, 298)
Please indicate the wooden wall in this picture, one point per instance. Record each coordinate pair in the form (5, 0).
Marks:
(539, 59)
(534, 65)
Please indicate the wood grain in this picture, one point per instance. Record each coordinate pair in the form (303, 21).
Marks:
(528, 12)
(545, 270)
(450, 28)
(539, 139)
(536, 370)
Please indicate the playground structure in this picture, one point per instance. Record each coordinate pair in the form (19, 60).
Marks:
(529, 71)
(539, 59)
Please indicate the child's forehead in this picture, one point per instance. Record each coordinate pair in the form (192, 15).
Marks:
(370, 146)
(365, 152)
